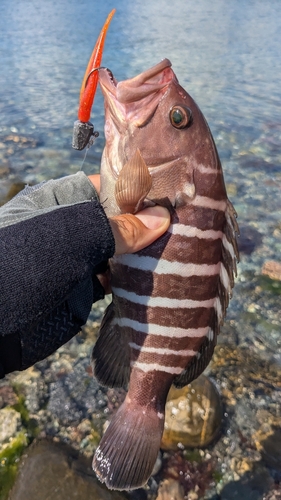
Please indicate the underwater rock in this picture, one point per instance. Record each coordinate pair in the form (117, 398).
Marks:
(10, 421)
(4, 167)
(8, 396)
(53, 470)
(268, 438)
(249, 239)
(21, 141)
(170, 490)
(8, 191)
(193, 415)
(272, 269)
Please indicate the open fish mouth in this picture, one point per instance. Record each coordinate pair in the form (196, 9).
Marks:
(135, 100)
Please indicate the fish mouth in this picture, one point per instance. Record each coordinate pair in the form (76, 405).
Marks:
(136, 99)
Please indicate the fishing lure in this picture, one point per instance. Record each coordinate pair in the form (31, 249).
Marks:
(83, 130)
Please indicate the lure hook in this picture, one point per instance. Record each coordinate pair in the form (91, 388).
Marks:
(83, 130)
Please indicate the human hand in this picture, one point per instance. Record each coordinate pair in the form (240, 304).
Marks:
(134, 232)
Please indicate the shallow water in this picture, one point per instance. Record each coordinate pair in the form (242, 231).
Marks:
(225, 53)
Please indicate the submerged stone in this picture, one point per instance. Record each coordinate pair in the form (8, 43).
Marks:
(53, 470)
(272, 269)
(193, 415)
(9, 424)
(170, 489)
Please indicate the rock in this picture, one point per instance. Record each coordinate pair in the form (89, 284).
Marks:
(21, 141)
(249, 239)
(53, 470)
(193, 415)
(272, 269)
(10, 421)
(252, 486)
(157, 465)
(269, 445)
(8, 191)
(170, 490)
(8, 396)
(4, 168)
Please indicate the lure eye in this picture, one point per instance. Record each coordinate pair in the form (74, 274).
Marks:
(180, 116)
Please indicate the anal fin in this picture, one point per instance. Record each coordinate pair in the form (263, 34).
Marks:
(111, 353)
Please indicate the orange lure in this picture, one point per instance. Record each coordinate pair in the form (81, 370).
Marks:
(83, 129)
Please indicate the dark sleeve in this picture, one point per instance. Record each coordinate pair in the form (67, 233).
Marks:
(47, 275)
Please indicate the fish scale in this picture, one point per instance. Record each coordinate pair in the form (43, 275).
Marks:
(169, 299)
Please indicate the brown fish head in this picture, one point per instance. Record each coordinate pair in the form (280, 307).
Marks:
(151, 113)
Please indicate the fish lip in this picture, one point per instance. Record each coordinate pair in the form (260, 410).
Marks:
(109, 82)
(124, 99)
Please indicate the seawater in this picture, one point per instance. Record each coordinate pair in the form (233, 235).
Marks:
(225, 53)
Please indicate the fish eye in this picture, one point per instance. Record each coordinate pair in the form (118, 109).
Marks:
(180, 116)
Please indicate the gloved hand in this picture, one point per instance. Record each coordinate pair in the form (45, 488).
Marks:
(60, 227)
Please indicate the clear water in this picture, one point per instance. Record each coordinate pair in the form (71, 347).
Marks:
(226, 53)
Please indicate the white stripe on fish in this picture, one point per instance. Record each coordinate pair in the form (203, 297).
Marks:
(162, 350)
(149, 367)
(203, 201)
(162, 301)
(225, 279)
(164, 331)
(228, 246)
(162, 266)
(191, 231)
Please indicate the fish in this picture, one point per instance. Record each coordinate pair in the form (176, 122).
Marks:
(169, 299)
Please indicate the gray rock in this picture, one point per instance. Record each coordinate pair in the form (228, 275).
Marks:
(9, 423)
(53, 470)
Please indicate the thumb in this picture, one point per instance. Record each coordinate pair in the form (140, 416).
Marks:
(134, 232)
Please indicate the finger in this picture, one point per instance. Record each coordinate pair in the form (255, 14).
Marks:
(105, 281)
(134, 232)
(95, 180)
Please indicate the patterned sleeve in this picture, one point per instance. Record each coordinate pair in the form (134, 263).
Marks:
(54, 238)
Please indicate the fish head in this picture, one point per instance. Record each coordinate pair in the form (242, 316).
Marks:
(157, 142)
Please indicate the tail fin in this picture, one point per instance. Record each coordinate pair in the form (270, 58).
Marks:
(127, 453)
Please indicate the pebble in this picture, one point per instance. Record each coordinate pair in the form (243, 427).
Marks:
(272, 269)
(193, 415)
(170, 490)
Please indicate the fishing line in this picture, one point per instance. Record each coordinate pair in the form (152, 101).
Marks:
(89, 145)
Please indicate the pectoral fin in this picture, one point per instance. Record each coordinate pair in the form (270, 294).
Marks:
(133, 184)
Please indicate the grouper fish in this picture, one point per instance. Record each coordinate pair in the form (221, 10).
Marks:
(168, 300)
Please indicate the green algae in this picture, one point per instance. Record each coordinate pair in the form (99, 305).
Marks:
(193, 455)
(30, 424)
(12, 451)
(270, 285)
(9, 458)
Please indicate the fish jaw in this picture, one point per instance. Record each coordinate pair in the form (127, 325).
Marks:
(133, 101)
